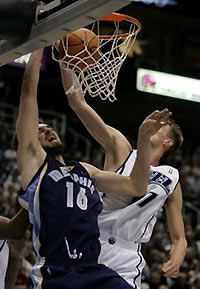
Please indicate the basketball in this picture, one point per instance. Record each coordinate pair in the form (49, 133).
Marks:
(78, 50)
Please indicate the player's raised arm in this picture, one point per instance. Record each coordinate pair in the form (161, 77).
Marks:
(177, 234)
(114, 143)
(29, 152)
(135, 184)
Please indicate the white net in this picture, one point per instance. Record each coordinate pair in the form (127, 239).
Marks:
(97, 69)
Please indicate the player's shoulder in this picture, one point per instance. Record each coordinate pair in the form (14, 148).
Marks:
(119, 137)
(88, 168)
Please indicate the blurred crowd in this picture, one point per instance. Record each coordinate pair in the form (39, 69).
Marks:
(155, 252)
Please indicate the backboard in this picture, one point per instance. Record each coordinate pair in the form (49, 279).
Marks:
(57, 21)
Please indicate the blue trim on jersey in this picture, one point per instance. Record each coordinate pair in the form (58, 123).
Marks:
(35, 176)
(146, 227)
(137, 267)
(159, 184)
(28, 195)
(36, 212)
(123, 164)
(176, 185)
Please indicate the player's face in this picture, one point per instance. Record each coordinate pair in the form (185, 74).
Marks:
(47, 136)
(162, 135)
(49, 139)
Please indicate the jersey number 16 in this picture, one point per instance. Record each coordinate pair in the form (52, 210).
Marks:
(81, 200)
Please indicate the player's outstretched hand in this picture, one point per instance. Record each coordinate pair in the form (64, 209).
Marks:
(154, 122)
(170, 268)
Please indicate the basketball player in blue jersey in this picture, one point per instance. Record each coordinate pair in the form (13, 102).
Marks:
(62, 197)
(125, 223)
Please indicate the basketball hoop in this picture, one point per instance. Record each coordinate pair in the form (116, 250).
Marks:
(100, 78)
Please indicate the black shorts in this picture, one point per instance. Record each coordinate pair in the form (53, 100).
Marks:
(76, 276)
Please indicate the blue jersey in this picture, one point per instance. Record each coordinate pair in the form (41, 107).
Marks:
(63, 205)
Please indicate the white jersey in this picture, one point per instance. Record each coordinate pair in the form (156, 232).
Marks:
(127, 222)
(4, 252)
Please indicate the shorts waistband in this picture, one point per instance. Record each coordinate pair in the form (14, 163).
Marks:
(112, 240)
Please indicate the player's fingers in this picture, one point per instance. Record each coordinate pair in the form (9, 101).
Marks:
(171, 274)
(166, 266)
(170, 270)
(56, 44)
(166, 116)
(153, 115)
(163, 114)
(163, 117)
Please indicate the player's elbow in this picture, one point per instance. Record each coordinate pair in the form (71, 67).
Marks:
(140, 188)
(136, 190)
(140, 192)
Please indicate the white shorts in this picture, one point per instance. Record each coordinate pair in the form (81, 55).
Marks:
(4, 252)
(126, 260)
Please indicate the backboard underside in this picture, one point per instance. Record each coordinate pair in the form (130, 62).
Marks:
(53, 27)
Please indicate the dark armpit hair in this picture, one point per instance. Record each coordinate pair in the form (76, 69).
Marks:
(15, 142)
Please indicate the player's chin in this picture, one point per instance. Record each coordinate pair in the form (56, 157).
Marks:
(56, 148)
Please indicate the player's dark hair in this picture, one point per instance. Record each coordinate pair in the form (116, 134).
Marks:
(176, 135)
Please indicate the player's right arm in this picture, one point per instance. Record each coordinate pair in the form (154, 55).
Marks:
(135, 184)
(30, 154)
(116, 146)
(177, 234)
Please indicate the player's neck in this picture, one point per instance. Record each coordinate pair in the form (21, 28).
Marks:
(155, 158)
(155, 162)
(60, 159)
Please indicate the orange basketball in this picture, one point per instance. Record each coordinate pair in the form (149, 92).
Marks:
(81, 43)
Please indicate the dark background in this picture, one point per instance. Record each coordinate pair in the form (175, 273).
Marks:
(173, 45)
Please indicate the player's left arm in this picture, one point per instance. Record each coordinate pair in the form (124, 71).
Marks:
(177, 234)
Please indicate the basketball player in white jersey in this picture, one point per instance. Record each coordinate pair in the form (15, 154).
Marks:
(4, 253)
(124, 223)
(9, 263)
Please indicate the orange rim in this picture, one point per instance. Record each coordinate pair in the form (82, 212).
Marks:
(117, 17)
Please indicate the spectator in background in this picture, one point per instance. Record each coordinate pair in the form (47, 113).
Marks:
(181, 282)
